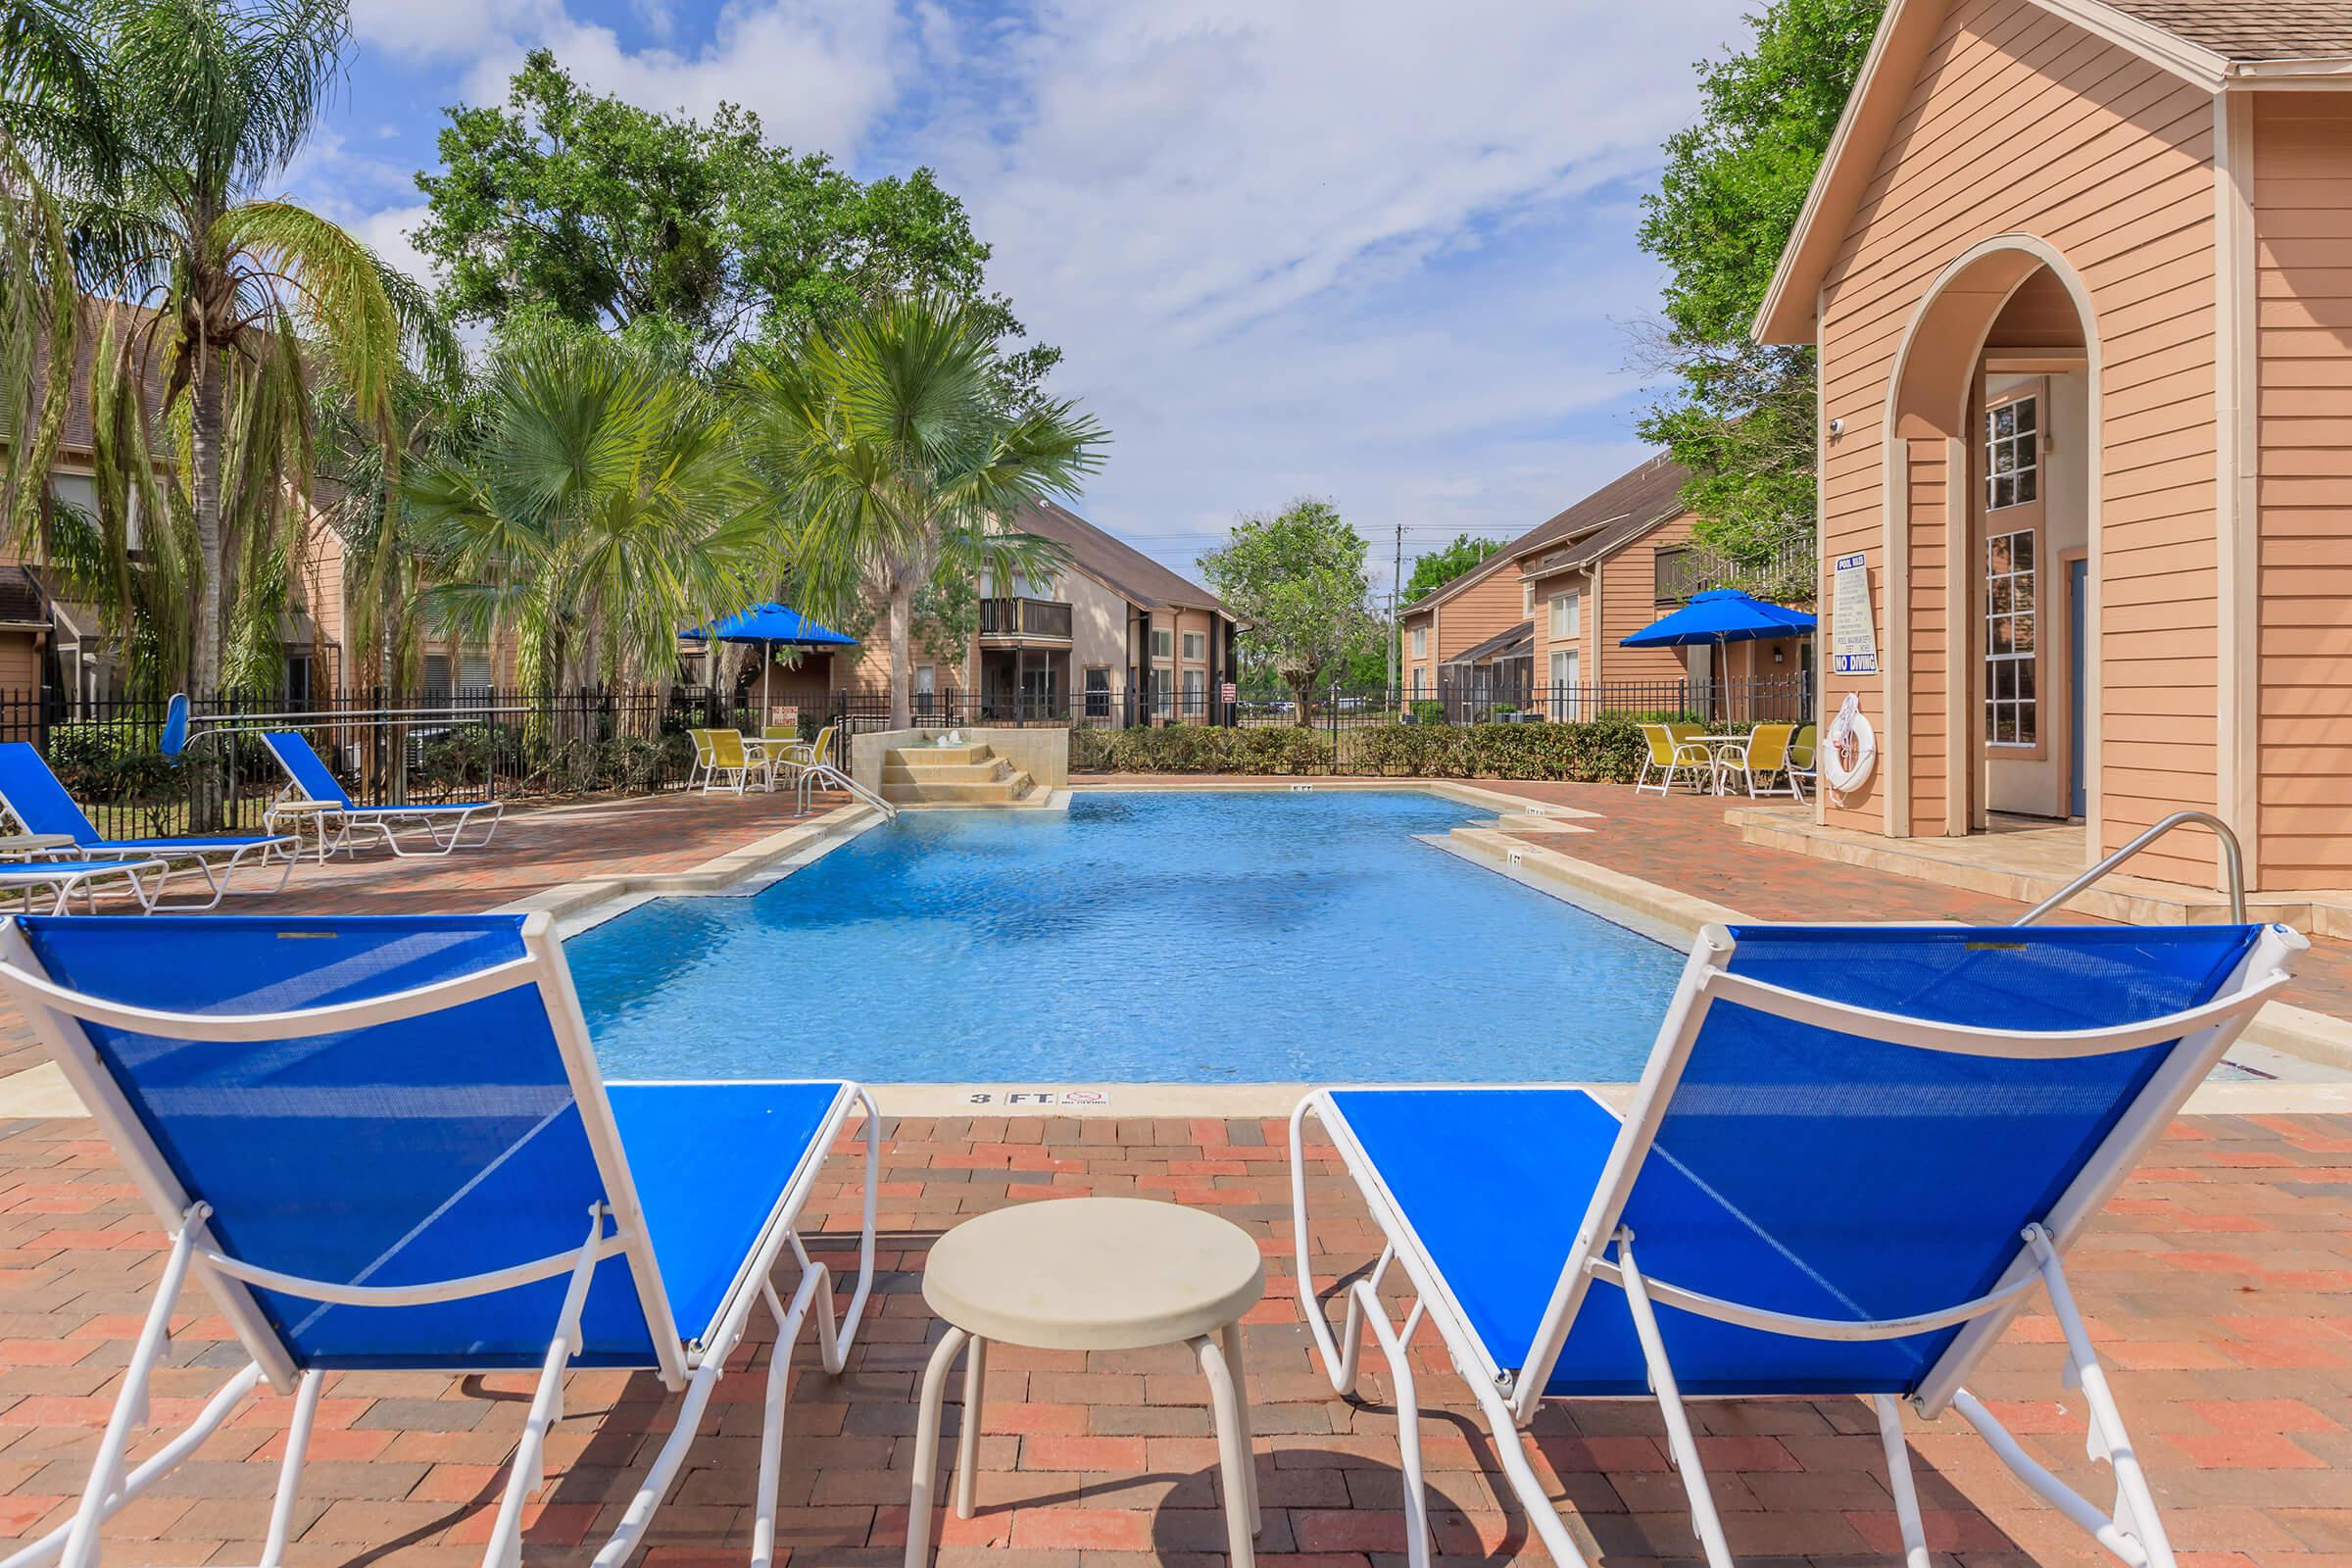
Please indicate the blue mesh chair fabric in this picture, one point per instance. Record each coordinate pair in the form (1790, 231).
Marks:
(437, 1147)
(40, 804)
(1798, 1169)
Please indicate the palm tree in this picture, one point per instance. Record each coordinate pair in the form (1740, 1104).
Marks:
(38, 296)
(898, 458)
(603, 507)
(162, 122)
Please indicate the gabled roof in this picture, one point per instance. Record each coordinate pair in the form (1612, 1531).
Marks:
(1607, 521)
(1113, 563)
(2215, 44)
(1519, 639)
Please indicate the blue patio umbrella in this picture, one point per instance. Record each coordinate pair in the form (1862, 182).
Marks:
(1721, 616)
(1718, 618)
(771, 625)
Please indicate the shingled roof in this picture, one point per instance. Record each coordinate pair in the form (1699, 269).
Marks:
(2253, 29)
(1114, 562)
(1611, 517)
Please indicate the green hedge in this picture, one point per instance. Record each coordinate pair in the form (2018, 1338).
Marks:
(1604, 750)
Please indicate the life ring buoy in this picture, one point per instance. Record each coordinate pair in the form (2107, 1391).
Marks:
(1849, 750)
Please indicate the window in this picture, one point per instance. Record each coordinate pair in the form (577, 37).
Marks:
(1164, 687)
(1420, 678)
(1564, 665)
(1196, 645)
(1567, 616)
(2011, 711)
(1195, 694)
(1420, 641)
(436, 677)
(1097, 691)
(474, 671)
(926, 688)
(1527, 600)
(1163, 642)
(2012, 452)
(1036, 585)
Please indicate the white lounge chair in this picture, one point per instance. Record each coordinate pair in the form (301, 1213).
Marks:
(383, 1143)
(308, 780)
(1854, 1154)
(33, 795)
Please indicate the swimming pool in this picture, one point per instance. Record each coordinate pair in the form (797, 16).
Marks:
(1233, 936)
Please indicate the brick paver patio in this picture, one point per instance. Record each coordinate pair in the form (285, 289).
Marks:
(2219, 1283)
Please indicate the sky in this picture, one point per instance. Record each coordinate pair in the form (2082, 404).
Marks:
(1380, 252)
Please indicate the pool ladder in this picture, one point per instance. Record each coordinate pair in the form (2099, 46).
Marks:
(826, 773)
(2232, 859)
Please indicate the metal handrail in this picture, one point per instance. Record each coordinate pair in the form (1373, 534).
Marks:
(2231, 857)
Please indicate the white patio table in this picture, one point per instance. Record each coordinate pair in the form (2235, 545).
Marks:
(1090, 1274)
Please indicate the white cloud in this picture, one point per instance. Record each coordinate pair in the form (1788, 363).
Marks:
(1373, 251)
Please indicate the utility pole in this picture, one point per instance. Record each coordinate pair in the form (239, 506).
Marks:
(1395, 603)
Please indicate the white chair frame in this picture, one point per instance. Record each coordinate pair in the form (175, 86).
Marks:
(1697, 760)
(1731, 761)
(2130, 1530)
(215, 865)
(83, 877)
(444, 826)
(58, 1016)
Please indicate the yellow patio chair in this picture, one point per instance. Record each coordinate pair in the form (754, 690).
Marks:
(1762, 758)
(700, 739)
(1802, 753)
(789, 755)
(727, 758)
(1667, 753)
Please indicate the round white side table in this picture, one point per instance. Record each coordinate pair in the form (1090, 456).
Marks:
(1090, 1274)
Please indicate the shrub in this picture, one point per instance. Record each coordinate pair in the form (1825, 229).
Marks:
(1606, 750)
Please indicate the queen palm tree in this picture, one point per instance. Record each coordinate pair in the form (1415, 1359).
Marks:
(889, 441)
(163, 124)
(603, 507)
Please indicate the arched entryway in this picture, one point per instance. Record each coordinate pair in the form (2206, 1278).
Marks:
(1992, 481)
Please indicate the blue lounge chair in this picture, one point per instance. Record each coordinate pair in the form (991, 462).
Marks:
(1854, 1153)
(40, 805)
(309, 779)
(383, 1143)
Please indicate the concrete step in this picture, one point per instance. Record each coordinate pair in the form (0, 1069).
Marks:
(923, 792)
(939, 756)
(982, 772)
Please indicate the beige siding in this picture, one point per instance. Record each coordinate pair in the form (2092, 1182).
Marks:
(2303, 257)
(1629, 602)
(2020, 122)
(19, 661)
(1495, 602)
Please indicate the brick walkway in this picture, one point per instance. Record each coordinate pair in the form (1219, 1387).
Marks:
(2220, 1284)
(1681, 841)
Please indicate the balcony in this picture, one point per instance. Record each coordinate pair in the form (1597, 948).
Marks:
(1025, 619)
(1784, 578)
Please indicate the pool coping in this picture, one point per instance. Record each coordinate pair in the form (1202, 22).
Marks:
(1663, 914)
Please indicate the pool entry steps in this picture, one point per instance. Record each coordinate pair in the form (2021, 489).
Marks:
(970, 775)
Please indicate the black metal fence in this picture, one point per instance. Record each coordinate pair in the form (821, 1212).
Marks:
(385, 748)
(1340, 714)
(1761, 700)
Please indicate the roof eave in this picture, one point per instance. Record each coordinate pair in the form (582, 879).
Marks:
(1791, 301)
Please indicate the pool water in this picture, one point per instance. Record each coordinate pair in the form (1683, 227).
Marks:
(1183, 937)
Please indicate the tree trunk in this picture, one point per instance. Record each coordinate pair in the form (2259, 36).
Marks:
(208, 419)
(1304, 688)
(901, 667)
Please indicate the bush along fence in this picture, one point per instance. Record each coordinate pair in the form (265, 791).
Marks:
(385, 748)
(1602, 751)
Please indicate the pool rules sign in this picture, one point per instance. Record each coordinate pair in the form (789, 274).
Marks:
(1853, 638)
